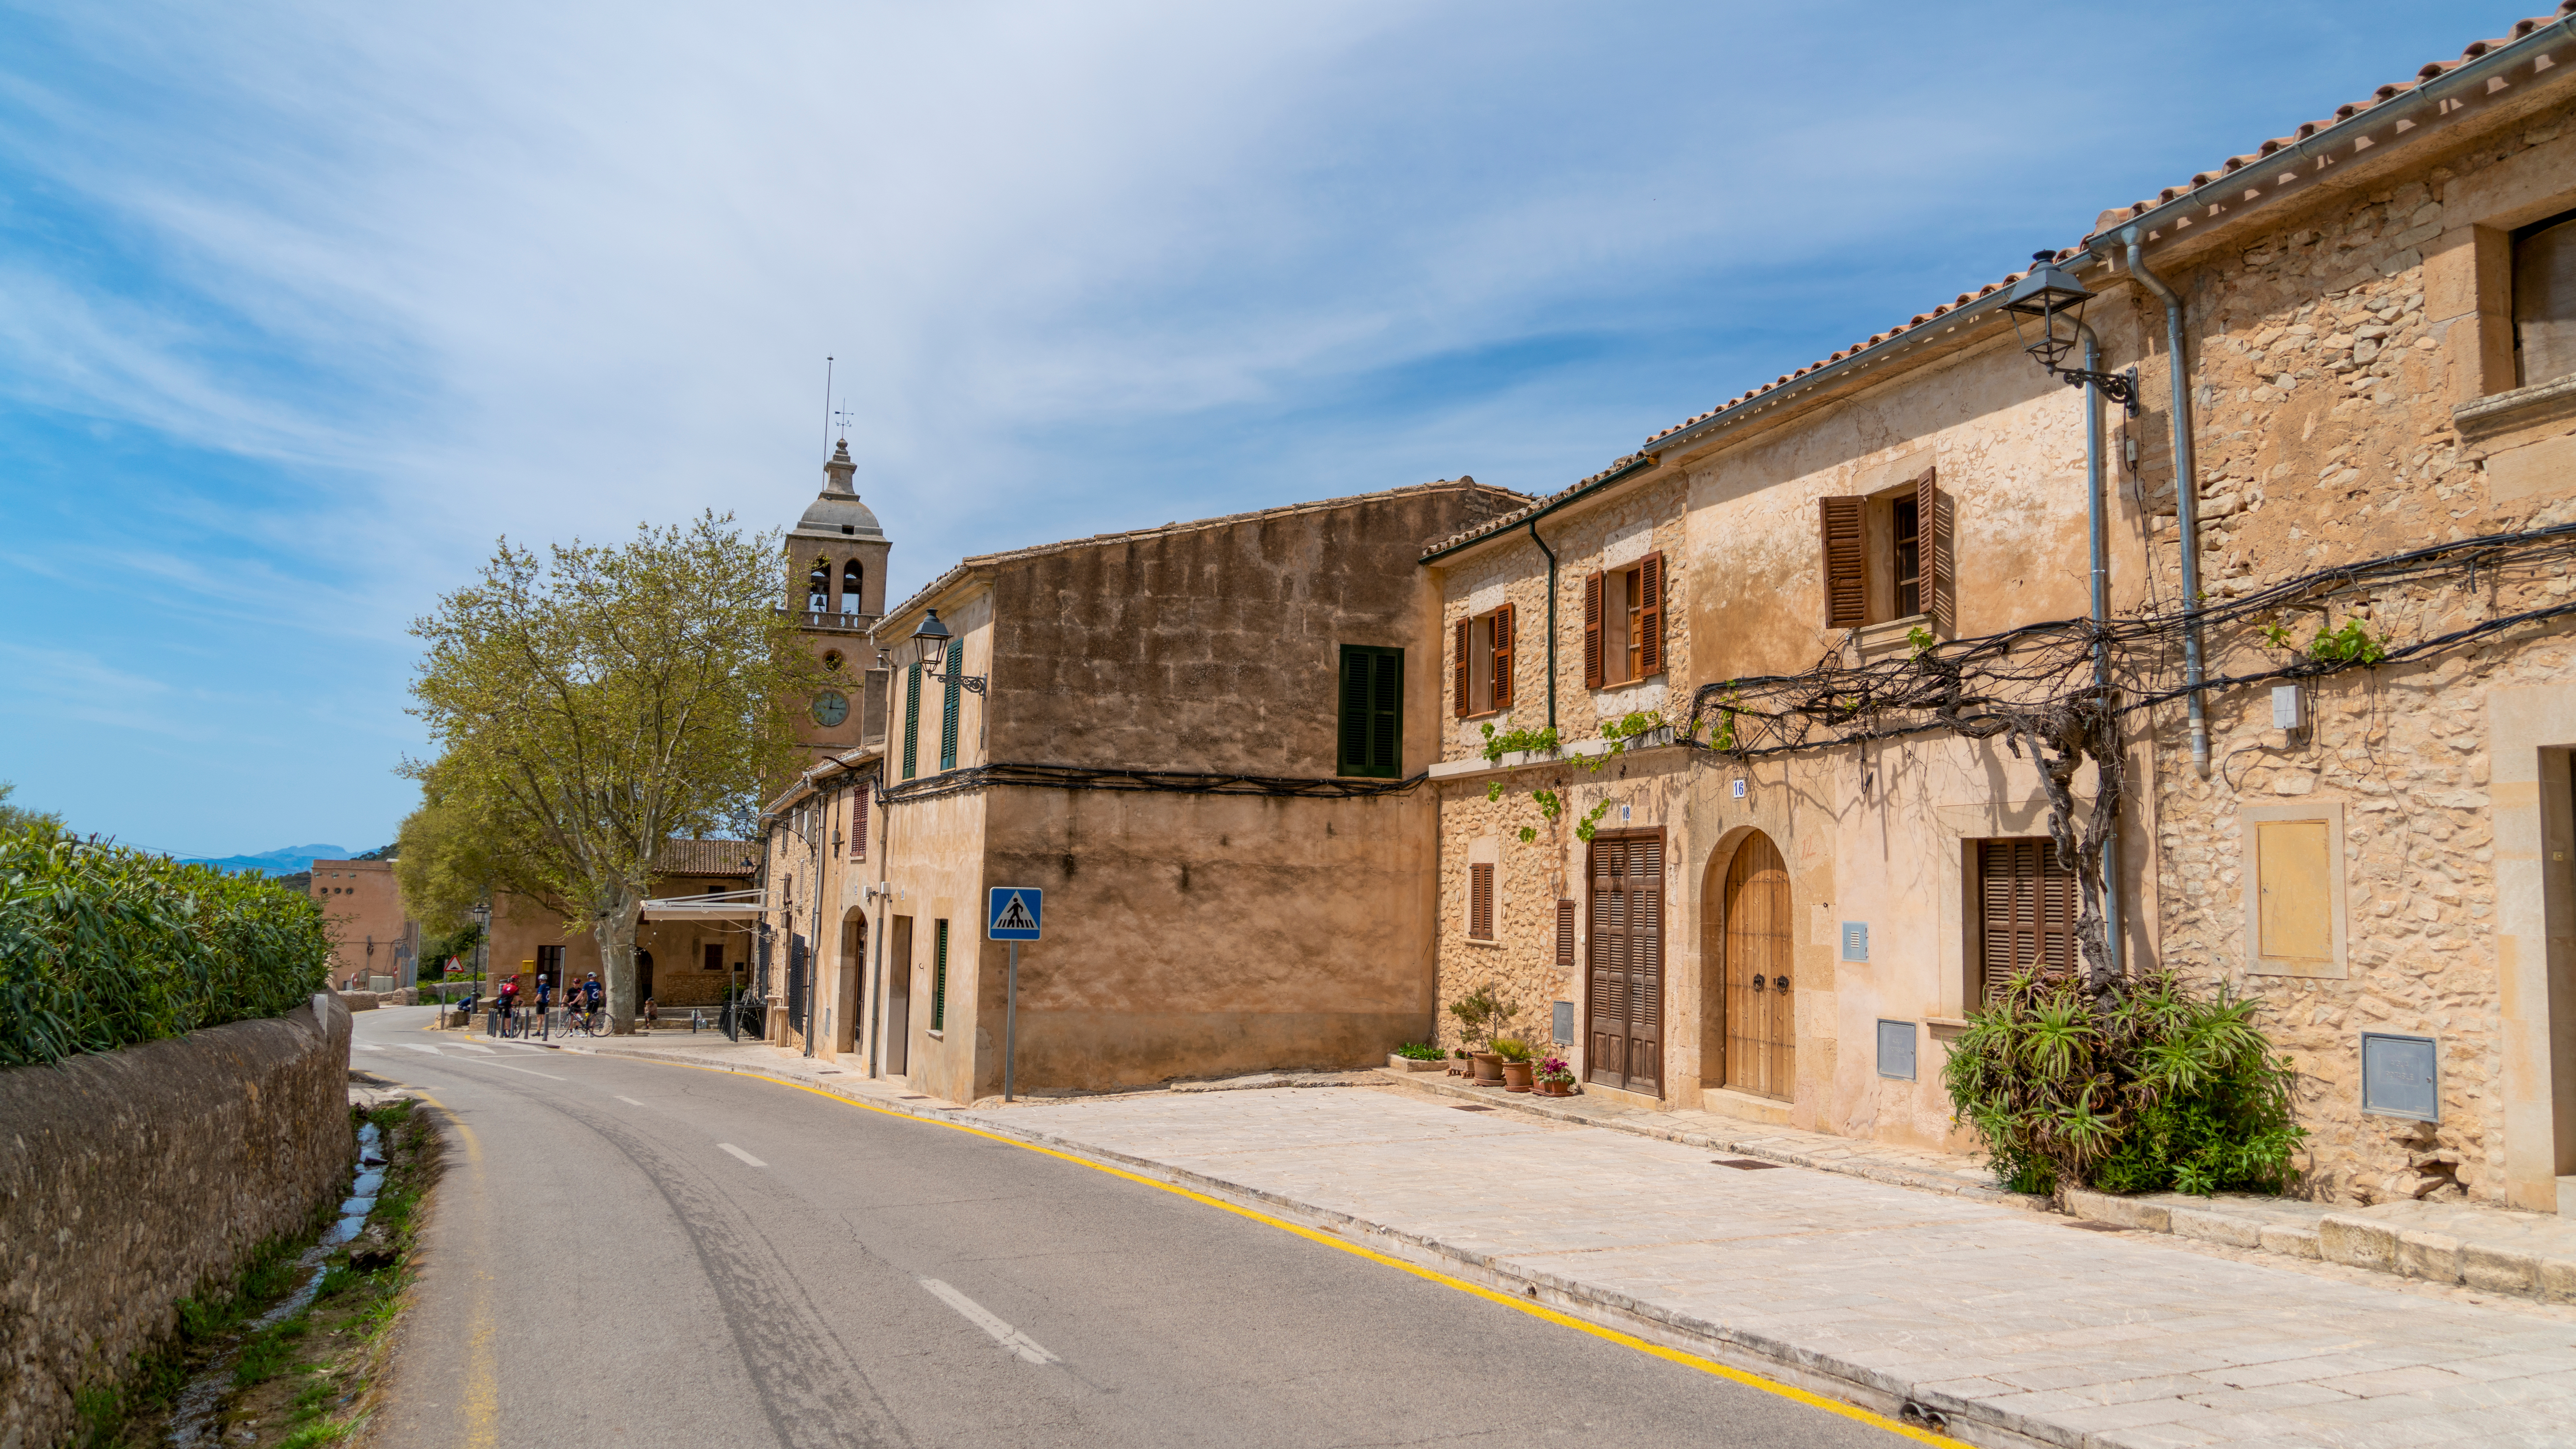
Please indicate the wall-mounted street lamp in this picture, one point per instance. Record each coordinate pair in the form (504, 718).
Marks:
(2054, 301)
(929, 649)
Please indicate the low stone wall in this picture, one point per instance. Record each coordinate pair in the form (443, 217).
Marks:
(132, 1179)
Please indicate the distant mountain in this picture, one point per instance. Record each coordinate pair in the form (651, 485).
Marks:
(286, 861)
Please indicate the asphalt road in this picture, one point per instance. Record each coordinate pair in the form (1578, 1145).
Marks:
(636, 1254)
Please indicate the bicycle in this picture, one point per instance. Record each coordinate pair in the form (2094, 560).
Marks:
(587, 1021)
(514, 1023)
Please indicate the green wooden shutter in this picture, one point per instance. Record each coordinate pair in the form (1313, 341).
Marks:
(939, 976)
(1371, 726)
(948, 706)
(911, 721)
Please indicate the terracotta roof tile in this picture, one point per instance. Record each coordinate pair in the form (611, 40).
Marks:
(707, 857)
(2381, 96)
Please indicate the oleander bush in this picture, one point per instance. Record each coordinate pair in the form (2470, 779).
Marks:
(104, 946)
(2152, 1086)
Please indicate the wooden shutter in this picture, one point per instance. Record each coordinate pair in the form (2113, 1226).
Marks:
(1650, 616)
(859, 820)
(1503, 657)
(1386, 713)
(1594, 664)
(1565, 934)
(1932, 545)
(1846, 562)
(951, 706)
(2026, 905)
(1462, 674)
(911, 721)
(1480, 902)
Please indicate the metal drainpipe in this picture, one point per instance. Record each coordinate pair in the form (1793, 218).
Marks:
(2095, 535)
(814, 943)
(1551, 620)
(2186, 498)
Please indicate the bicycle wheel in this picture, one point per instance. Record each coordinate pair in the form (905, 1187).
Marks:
(595, 1022)
(511, 1025)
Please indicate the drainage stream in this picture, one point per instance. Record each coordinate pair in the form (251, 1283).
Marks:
(193, 1421)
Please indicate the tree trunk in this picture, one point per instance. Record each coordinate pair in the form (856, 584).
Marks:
(617, 958)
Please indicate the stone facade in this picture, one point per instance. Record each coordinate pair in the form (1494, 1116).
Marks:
(133, 1179)
(2355, 397)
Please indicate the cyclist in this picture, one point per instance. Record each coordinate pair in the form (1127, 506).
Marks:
(507, 1001)
(591, 992)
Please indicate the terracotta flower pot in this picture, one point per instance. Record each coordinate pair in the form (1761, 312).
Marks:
(1489, 1068)
(1517, 1076)
(1556, 1089)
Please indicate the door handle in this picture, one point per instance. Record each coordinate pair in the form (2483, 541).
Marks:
(1781, 982)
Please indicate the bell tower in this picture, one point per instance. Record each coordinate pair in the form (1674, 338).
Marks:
(836, 557)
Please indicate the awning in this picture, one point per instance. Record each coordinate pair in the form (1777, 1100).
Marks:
(724, 906)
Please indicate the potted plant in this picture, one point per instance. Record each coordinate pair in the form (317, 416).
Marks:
(1417, 1056)
(1480, 1017)
(1516, 1063)
(1460, 1065)
(1555, 1078)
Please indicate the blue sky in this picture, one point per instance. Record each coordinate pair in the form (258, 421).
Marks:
(301, 305)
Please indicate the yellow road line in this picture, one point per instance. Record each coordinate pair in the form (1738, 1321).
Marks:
(481, 1403)
(1625, 1340)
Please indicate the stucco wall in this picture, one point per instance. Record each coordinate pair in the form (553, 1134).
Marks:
(132, 1179)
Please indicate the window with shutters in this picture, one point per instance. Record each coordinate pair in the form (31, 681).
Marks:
(939, 976)
(1480, 901)
(859, 819)
(2544, 300)
(1369, 731)
(949, 706)
(912, 721)
(1481, 663)
(1623, 623)
(1565, 935)
(1887, 558)
(2026, 905)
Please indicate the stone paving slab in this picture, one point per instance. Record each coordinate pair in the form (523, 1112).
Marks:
(2001, 1319)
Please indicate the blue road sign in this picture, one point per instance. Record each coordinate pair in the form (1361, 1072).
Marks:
(1015, 914)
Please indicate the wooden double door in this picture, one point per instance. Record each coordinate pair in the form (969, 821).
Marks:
(1759, 1026)
(1624, 1008)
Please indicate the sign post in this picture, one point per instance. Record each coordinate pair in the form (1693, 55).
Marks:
(1013, 914)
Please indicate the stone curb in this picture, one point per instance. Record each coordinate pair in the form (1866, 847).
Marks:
(1752, 1145)
(1773, 1358)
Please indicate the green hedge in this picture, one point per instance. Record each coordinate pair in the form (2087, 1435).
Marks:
(103, 946)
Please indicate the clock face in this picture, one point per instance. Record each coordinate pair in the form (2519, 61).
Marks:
(830, 708)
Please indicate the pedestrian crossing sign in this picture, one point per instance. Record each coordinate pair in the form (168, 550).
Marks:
(1015, 914)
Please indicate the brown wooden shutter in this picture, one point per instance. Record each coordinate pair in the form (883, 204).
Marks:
(1463, 676)
(1940, 570)
(859, 822)
(1593, 663)
(1480, 902)
(1846, 562)
(1650, 616)
(2026, 903)
(1503, 657)
(1565, 934)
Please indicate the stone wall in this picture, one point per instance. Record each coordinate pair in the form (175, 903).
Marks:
(134, 1179)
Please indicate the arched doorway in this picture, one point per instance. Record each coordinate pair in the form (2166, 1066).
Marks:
(643, 978)
(1759, 1025)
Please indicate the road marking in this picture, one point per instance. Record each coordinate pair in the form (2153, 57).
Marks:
(480, 1405)
(629, 1101)
(368, 1046)
(467, 1046)
(1709, 1366)
(1004, 1334)
(738, 1152)
(422, 1046)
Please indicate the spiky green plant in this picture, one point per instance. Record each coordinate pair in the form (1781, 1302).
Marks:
(2150, 1086)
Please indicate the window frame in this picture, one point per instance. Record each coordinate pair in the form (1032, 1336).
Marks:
(2250, 819)
(1615, 630)
(1484, 674)
(912, 721)
(1975, 991)
(1482, 909)
(938, 976)
(951, 705)
(2514, 241)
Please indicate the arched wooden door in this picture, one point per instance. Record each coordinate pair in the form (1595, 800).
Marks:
(1761, 1026)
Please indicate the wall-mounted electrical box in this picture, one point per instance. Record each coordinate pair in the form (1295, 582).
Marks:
(2289, 707)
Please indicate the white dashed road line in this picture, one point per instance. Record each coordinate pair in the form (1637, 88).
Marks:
(467, 1046)
(422, 1046)
(745, 1156)
(1027, 1348)
(629, 1101)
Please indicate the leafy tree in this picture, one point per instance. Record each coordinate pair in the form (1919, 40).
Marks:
(19, 817)
(591, 706)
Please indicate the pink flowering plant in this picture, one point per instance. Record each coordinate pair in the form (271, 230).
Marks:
(1555, 1069)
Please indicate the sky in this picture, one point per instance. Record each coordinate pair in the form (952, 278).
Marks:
(304, 305)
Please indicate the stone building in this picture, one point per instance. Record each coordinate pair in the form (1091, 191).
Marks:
(685, 954)
(375, 944)
(1202, 742)
(1787, 917)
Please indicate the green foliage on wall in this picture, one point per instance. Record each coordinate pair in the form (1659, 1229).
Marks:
(2151, 1087)
(102, 946)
